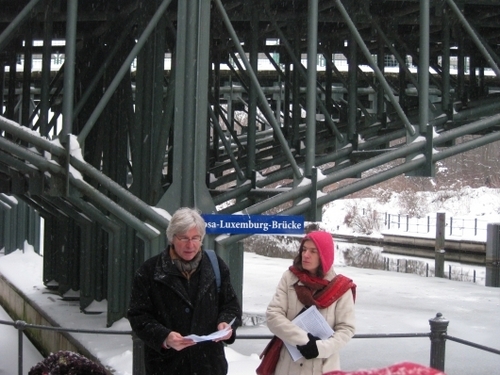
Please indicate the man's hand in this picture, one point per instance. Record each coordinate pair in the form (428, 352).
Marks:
(176, 341)
(222, 326)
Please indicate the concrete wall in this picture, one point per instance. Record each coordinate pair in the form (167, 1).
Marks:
(21, 308)
(461, 246)
(459, 251)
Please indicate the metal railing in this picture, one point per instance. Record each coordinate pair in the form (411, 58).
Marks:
(417, 267)
(21, 326)
(456, 226)
(437, 335)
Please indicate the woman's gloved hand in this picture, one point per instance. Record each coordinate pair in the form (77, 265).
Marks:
(309, 350)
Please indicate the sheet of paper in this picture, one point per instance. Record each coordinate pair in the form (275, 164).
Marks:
(312, 322)
(213, 336)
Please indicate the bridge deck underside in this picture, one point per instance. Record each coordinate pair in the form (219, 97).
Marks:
(115, 109)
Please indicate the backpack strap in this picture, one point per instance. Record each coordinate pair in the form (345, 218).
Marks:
(215, 265)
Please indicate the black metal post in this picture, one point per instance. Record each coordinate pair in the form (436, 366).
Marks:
(439, 246)
(493, 255)
(20, 325)
(439, 326)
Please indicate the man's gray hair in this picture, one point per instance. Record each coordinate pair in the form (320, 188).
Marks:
(184, 219)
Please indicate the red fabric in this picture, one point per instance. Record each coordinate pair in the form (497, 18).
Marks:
(309, 280)
(404, 368)
(324, 244)
(330, 290)
(270, 357)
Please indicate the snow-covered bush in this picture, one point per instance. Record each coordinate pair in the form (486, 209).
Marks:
(383, 196)
(273, 246)
(412, 203)
(362, 220)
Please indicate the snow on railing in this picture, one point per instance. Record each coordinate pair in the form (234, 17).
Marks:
(460, 227)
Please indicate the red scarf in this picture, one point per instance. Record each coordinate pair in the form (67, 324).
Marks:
(321, 292)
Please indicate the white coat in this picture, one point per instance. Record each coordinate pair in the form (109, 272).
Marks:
(285, 306)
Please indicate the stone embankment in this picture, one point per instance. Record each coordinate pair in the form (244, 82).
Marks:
(467, 251)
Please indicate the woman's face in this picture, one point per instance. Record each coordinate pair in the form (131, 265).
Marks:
(187, 244)
(310, 257)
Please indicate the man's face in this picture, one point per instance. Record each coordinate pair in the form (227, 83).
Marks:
(188, 244)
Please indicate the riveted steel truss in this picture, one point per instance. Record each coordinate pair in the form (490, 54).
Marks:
(117, 112)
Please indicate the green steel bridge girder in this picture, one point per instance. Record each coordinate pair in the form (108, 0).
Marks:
(213, 104)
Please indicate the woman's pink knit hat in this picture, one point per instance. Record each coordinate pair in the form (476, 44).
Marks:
(324, 244)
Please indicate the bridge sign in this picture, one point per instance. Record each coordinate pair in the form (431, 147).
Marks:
(254, 224)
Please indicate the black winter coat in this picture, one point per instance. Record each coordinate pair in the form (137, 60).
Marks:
(163, 300)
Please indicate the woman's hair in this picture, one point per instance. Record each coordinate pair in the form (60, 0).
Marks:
(183, 220)
(297, 261)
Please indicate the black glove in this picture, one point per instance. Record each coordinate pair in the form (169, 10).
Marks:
(309, 350)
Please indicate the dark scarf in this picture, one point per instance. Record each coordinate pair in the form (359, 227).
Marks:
(186, 268)
(321, 292)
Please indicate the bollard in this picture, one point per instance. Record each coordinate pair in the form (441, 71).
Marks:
(138, 367)
(439, 251)
(493, 255)
(439, 326)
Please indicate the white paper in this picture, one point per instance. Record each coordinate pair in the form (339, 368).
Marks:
(312, 322)
(213, 336)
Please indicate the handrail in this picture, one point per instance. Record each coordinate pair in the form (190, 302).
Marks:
(472, 344)
(21, 325)
(437, 335)
(356, 336)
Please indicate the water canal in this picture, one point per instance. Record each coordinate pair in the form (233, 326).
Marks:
(404, 259)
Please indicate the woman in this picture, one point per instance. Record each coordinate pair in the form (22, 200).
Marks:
(310, 281)
(175, 294)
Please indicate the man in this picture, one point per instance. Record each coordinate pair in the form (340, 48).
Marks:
(175, 294)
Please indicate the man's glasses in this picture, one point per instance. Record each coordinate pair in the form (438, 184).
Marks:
(196, 239)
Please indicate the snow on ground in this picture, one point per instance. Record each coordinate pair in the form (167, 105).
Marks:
(387, 302)
(464, 210)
